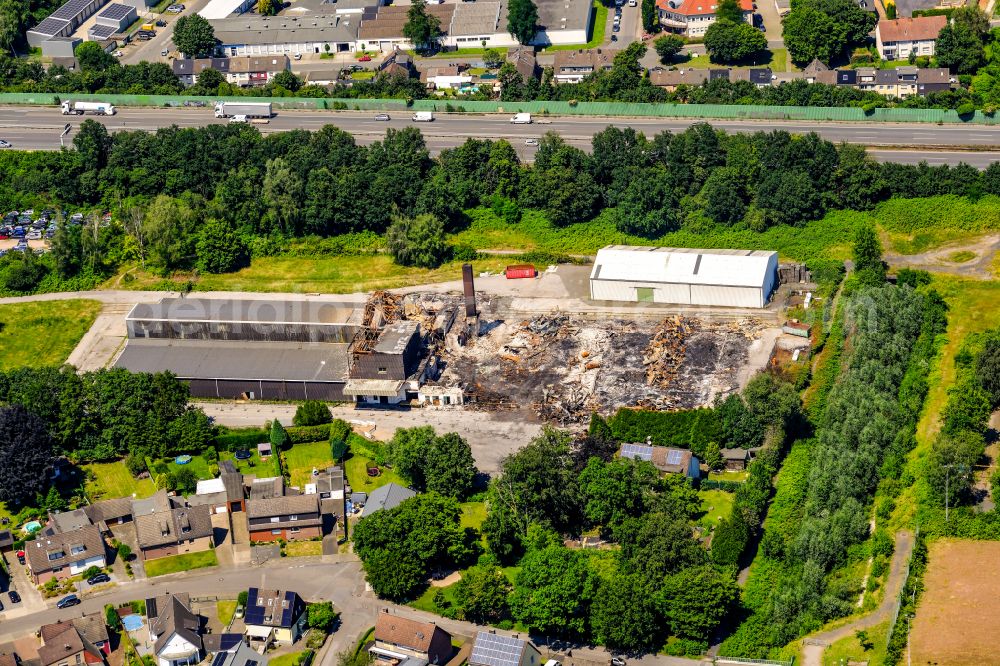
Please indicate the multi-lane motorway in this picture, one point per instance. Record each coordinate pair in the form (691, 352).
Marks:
(39, 128)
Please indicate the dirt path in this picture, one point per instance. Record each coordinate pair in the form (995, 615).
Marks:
(813, 646)
(938, 260)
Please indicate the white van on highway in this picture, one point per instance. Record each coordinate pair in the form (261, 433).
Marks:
(239, 119)
(423, 117)
(521, 119)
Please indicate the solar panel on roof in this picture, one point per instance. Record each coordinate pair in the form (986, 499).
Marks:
(50, 26)
(493, 650)
(151, 608)
(251, 662)
(71, 9)
(637, 451)
(674, 457)
(220, 658)
(229, 641)
(115, 11)
(102, 31)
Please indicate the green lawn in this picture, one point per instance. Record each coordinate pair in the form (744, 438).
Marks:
(355, 468)
(43, 333)
(737, 477)
(225, 611)
(304, 548)
(324, 274)
(598, 28)
(198, 465)
(286, 659)
(715, 505)
(302, 458)
(777, 60)
(849, 650)
(363, 76)
(177, 563)
(425, 601)
(252, 466)
(473, 514)
(114, 480)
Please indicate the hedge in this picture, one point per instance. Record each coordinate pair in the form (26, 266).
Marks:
(688, 429)
(237, 440)
(304, 434)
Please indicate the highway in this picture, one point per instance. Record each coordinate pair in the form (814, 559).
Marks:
(38, 128)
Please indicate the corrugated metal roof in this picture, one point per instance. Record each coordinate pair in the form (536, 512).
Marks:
(217, 359)
(735, 268)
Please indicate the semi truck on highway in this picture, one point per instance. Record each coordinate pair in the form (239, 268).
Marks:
(80, 108)
(248, 109)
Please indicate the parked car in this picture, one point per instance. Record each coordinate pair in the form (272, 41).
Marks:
(99, 578)
(68, 600)
(617, 661)
(1, 605)
(365, 58)
(384, 117)
(34, 234)
(614, 38)
(5, 144)
(617, 28)
(297, 56)
(161, 23)
(175, 9)
(15, 598)
(20, 557)
(531, 142)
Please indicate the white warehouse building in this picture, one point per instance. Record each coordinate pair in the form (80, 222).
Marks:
(734, 278)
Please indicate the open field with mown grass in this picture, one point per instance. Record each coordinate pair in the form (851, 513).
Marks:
(113, 480)
(178, 563)
(43, 333)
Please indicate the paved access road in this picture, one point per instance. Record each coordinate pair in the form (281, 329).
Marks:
(38, 128)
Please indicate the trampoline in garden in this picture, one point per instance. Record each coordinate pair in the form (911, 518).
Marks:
(132, 622)
(243, 454)
(182, 460)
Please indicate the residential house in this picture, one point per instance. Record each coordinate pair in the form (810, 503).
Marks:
(813, 70)
(64, 554)
(267, 487)
(933, 80)
(244, 71)
(241, 655)
(93, 630)
(670, 79)
(63, 644)
(397, 639)
(492, 649)
(166, 526)
(665, 459)
(446, 78)
(396, 63)
(896, 39)
(274, 616)
(576, 65)
(6, 542)
(691, 18)
(187, 70)
(9, 660)
(388, 496)
(329, 485)
(210, 493)
(110, 512)
(218, 643)
(524, 61)
(232, 479)
(291, 517)
(174, 630)
(736, 460)
(328, 76)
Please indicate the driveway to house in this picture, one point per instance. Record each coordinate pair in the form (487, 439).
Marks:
(813, 646)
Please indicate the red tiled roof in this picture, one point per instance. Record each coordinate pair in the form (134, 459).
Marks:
(699, 7)
(911, 29)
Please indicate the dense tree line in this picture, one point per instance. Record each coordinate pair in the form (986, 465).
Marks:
(441, 464)
(213, 197)
(108, 414)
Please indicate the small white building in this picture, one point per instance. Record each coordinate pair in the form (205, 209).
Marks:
(729, 278)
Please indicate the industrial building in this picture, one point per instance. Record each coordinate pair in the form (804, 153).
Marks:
(63, 22)
(729, 278)
(260, 349)
(112, 20)
(263, 35)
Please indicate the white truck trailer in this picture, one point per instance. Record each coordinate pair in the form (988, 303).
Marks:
(80, 108)
(248, 109)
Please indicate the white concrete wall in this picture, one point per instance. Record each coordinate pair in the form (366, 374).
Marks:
(681, 294)
(81, 566)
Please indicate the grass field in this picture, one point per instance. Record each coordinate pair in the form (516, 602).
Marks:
(286, 659)
(225, 610)
(736, 477)
(957, 616)
(849, 650)
(355, 467)
(304, 548)
(302, 458)
(715, 505)
(114, 480)
(327, 274)
(177, 563)
(473, 514)
(43, 333)
(198, 465)
(962, 256)
(252, 466)
(777, 60)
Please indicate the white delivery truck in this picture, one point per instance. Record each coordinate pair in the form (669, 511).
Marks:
(521, 119)
(248, 109)
(79, 108)
(423, 117)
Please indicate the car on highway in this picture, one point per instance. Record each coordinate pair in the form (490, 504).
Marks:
(99, 578)
(68, 600)
(15, 598)
(5, 144)
(531, 142)
(384, 117)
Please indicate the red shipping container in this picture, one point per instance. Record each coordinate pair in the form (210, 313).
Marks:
(520, 271)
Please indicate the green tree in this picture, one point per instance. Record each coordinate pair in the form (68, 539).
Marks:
(111, 618)
(959, 48)
(728, 41)
(407, 450)
(648, 206)
(268, 7)
(283, 193)
(417, 241)
(124, 552)
(972, 17)
(93, 143)
(449, 468)
(553, 593)
(729, 10)
(287, 80)
(724, 196)
(340, 433)
(616, 490)
(825, 29)
(321, 616)
(194, 36)
(713, 458)
(12, 15)
(311, 413)
(624, 615)
(209, 81)
(668, 46)
(789, 197)
(696, 599)
(599, 428)
(168, 227)
(483, 595)
(421, 28)
(522, 20)
(184, 480)
(278, 437)
(987, 367)
(54, 502)
(648, 13)
(220, 248)
(492, 58)
(867, 255)
(93, 58)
